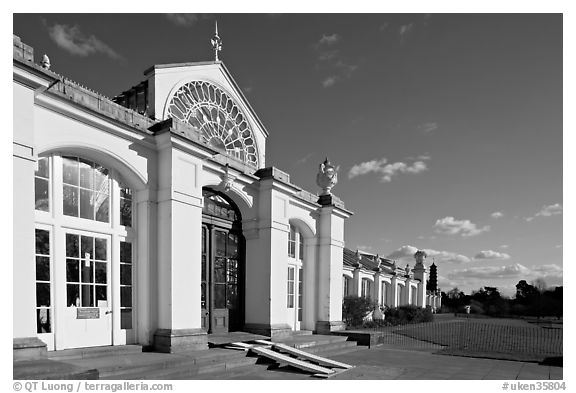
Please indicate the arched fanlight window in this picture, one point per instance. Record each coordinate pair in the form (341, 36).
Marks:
(219, 119)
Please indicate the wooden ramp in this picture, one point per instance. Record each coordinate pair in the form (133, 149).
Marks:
(286, 355)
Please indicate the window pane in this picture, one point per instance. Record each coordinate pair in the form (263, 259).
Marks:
(125, 274)
(70, 201)
(43, 321)
(87, 272)
(219, 270)
(125, 296)
(87, 247)
(203, 268)
(42, 242)
(100, 249)
(42, 295)
(86, 174)
(125, 212)
(232, 245)
(291, 273)
(125, 252)
(72, 245)
(292, 249)
(43, 268)
(87, 298)
(301, 248)
(101, 183)
(232, 296)
(43, 168)
(220, 295)
(220, 243)
(126, 319)
(101, 293)
(203, 295)
(125, 192)
(72, 270)
(73, 295)
(86, 204)
(41, 194)
(100, 272)
(101, 207)
(70, 170)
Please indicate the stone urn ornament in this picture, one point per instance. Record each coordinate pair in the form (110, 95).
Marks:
(327, 177)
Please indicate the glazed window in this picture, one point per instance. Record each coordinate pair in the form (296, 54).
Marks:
(43, 282)
(300, 291)
(42, 184)
(295, 244)
(86, 271)
(125, 205)
(86, 189)
(345, 285)
(125, 285)
(366, 288)
(291, 273)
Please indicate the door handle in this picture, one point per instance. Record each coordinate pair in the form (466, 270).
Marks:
(108, 312)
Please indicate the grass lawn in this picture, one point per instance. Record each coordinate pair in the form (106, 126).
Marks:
(494, 338)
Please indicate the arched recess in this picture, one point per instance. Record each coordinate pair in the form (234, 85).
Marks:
(98, 264)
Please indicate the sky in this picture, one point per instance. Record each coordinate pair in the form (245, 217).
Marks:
(447, 128)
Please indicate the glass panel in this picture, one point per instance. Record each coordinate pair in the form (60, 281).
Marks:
(100, 249)
(73, 295)
(70, 201)
(232, 271)
(100, 293)
(232, 249)
(219, 295)
(72, 270)
(125, 252)
(101, 207)
(125, 274)
(70, 170)
(42, 242)
(125, 212)
(87, 272)
(126, 319)
(203, 267)
(125, 296)
(291, 273)
(86, 174)
(43, 268)
(86, 204)
(125, 192)
(232, 296)
(300, 247)
(87, 247)
(87, 299)
(42, 295)
(219, 270)
(41, 194)
(101, 182)
(203, 295)
(220, 243)
(203, 240)
(43, 320)
(72, 245)
(43, 168)
(100, 273)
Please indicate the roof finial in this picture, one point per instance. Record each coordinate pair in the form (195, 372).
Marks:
(216, 43)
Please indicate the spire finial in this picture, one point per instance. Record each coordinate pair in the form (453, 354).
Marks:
(216, 42)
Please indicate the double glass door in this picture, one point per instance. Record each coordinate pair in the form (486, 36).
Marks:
(221, 298)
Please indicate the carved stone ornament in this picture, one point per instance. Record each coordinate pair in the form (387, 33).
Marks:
(45, 62)
(327, 177)
(420, 256)
(227, 179)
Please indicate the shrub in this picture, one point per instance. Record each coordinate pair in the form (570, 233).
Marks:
(408, 314)
(355, 309)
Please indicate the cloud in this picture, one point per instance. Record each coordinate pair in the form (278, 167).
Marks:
(558, 246)
(428, 127)
(72, 40)
(329, 82)
(407, 253)
(303, 159)
(404, 31)
(182, 19)
(504, 246)
(361, 247)
(385, 170)
(491, 255)
(464, 228)
(329, 39)
(491, 272)
(497, 215)
(547, 211)
(248, 89)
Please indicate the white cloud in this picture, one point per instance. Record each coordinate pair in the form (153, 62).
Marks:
(182, 19)
(464, 228)
(405, 30)
(406, 253)
(491, 272)
(71, 39)
(497, 215)
(428, 127)
(504, 246)
(329, 39)
(489, 254)
(547, 211)
(385, 170)
(558, 246)
(329, 82)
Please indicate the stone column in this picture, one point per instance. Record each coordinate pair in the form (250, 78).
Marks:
(421, 275)
(330, 256)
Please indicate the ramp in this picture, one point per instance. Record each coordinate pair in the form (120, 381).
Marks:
(286, 355)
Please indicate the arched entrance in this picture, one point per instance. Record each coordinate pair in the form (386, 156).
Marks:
(223, 262)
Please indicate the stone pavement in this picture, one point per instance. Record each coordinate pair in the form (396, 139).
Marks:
(386, 363)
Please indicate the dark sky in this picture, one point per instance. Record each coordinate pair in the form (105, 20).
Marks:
(447, 127)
